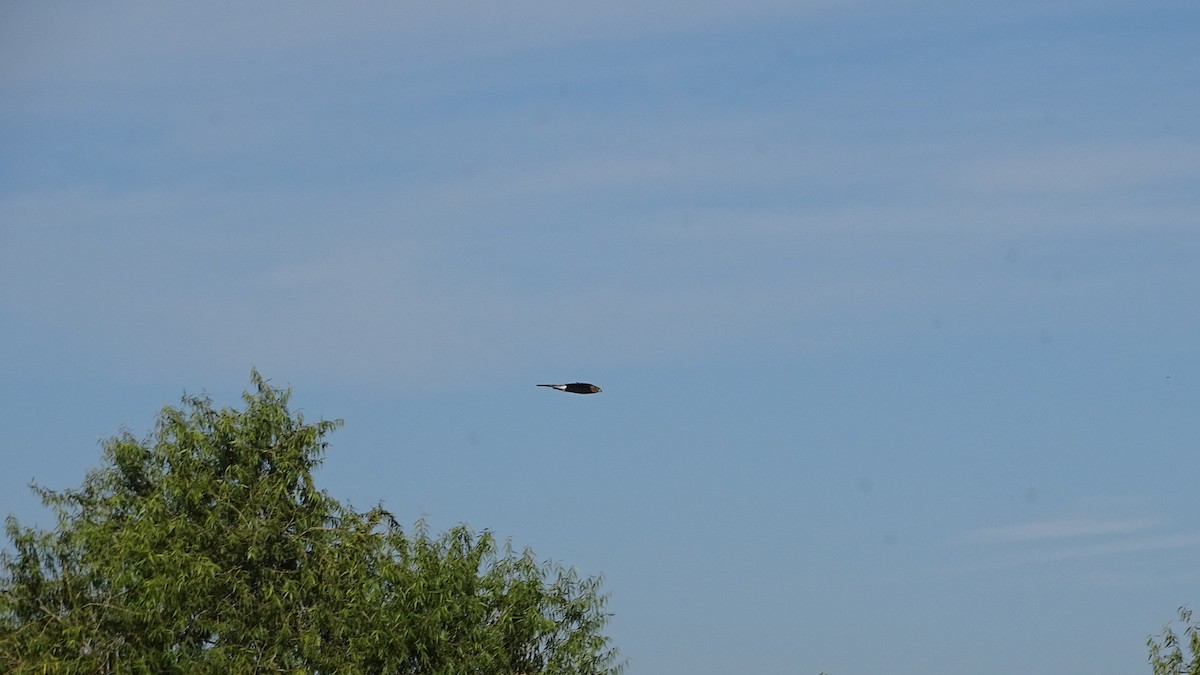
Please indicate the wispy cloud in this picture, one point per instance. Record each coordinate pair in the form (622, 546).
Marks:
(417, 31)
(1105, 549)
(1062, 529)
(1084, 167)
(1078, 538)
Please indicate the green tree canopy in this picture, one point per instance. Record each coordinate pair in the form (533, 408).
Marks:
(207, 549)
(1169, 655)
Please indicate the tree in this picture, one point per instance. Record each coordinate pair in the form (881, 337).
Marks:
(207, 549)
(1166, 655)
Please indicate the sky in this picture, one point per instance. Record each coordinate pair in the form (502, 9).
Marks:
(895, 305)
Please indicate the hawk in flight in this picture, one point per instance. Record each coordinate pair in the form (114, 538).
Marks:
(575, 387)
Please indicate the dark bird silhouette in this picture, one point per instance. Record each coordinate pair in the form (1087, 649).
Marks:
(575, 387)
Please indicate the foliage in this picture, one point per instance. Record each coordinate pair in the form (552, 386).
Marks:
(1167, 655)
(207, 549)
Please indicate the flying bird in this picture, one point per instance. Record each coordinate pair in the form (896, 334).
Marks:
(575, 387)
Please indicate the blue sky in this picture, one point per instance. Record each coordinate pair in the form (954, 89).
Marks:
(895, 305)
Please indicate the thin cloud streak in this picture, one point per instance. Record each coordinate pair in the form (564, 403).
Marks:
(1083, 167)
(1060, 529)
(115, 44)
(1096, 551)
(1075, 539)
